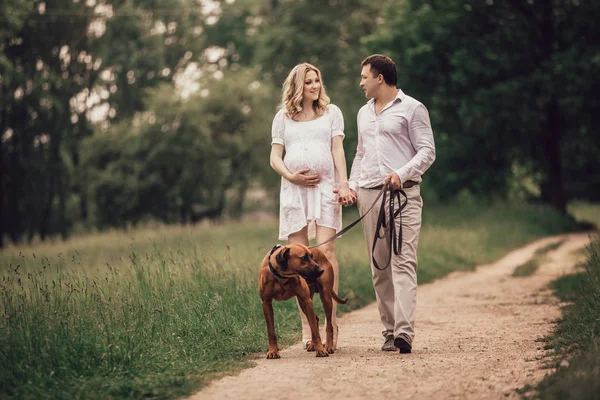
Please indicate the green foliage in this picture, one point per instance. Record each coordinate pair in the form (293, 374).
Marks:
(12, 17)
(326, 34)
(42, 69)
(62, 65)
(575, 342)
(184, 159)
(510, 87)
(504, 83)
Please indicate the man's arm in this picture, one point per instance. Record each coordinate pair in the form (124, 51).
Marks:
(421, 137)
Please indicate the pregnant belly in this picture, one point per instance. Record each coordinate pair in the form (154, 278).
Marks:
(317, 161)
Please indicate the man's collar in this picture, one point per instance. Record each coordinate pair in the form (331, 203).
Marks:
(400, 95)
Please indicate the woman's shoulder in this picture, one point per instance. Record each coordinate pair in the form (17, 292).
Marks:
(333, 108)
(278, 125)
(280, 117)
(280, 114)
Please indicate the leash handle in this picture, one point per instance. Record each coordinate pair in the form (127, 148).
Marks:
(394, 239)
(353, 224)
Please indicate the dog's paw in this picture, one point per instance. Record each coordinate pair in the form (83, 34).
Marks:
(330, 349)
(310, 346)
(322, 353)
(273, 355)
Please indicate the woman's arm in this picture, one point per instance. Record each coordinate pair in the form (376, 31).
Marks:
(339, 160)
(299, 177)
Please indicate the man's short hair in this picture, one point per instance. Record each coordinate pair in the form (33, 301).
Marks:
(383, 65)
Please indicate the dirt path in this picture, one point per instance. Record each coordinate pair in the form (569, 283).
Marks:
(476, 339)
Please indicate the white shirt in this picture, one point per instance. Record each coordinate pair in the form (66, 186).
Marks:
(399, 140)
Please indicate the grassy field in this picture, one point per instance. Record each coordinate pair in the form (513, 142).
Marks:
(158, 312)
(575, 343)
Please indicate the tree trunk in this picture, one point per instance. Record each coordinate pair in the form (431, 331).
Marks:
(3, 170)
(238, 203)
(79, 188)
(553, 190)
(62, 204)
(43, 228)
(17, 176)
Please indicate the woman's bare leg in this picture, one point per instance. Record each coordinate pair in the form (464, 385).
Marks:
(322, 234)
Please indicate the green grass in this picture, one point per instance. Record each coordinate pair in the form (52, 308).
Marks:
(575, 343)
(527, 269)
(462, 236)
(158, 312)
(539, 257)
(589, 212)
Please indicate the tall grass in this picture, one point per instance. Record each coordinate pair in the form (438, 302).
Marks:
(159, 312)
(575, 343)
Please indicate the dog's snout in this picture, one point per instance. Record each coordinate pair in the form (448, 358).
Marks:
(319, 271)
(313, 273)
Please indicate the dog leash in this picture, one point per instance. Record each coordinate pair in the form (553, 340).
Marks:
(394, 238)
(353, 224)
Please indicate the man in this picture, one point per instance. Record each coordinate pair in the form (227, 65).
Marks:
(395, 148)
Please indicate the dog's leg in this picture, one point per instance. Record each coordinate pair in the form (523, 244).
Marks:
(328, 307)
(310, 345)
(308, 310)
(267, 306)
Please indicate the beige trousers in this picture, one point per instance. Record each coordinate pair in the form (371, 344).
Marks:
(396, 286)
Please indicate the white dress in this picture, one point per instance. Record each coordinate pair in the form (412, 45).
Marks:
(308, 145)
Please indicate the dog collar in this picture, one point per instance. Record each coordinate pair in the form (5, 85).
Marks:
(273, 271)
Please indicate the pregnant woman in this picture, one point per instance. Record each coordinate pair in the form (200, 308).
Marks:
(310, 131)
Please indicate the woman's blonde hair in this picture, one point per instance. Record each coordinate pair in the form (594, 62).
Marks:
(293, 88)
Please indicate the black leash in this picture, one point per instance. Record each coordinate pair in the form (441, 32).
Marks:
(394, 238)
(352, 225)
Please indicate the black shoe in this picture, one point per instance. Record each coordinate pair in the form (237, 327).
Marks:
(389, 344)
(403, 345)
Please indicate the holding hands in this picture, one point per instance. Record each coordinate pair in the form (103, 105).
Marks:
(346, 196)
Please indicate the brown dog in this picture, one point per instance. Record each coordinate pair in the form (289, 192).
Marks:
(296, 270)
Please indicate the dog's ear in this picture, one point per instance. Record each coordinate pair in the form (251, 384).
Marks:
(282, 258)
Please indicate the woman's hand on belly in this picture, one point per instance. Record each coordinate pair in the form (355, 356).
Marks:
(302, 178)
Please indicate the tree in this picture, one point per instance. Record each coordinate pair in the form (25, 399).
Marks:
(497, 79)
(65, 66)
(44, 68)
(327, 34)
(184, 159)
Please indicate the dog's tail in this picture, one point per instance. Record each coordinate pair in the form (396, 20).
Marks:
(337, 298)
